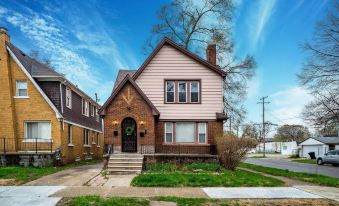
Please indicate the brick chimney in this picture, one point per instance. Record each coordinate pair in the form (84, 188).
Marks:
(211, 54)
(6, 92)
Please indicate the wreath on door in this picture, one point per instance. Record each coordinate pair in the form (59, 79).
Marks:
(129, 130)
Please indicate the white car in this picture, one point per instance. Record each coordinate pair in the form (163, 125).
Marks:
(331, 157)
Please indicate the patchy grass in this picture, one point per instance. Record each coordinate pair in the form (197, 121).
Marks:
(94, 200)
(308, 161)
(181, 201)
(188, 168)
(307, 177)
(22, 175)
(258, 156)
(238, 178)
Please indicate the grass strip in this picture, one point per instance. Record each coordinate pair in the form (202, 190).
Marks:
(307, 177)
(308, 161)
(94, 200)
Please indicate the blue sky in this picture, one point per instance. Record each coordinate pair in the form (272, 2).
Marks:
(89, 41)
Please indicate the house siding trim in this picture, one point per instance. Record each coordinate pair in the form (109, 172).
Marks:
(57, 113)
(79, 125)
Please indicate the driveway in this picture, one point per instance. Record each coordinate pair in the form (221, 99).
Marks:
(70, 177)
(296, 166)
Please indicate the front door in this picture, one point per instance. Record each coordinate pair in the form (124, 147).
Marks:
(129, 135)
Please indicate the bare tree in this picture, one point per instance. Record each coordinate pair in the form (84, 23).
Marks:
(252, 130)
(320, 72)
(195, 24)
(35, 54)
(288, 133)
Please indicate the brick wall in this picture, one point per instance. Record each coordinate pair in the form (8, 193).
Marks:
(138, 109)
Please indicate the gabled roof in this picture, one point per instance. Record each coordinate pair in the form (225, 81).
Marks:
(167, 41)
(121, 75)
(118, 89)
(34, 67)
(325, 140)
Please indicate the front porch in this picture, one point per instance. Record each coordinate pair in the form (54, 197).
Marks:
(25, 146)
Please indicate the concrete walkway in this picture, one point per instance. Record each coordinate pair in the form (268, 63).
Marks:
(70, 177)
(29, 195)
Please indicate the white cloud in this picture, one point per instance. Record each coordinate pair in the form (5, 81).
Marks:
(259, 18)
(287, 105)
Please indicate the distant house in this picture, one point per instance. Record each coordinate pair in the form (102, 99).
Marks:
(318, 145)
(172, 104)
(284, 148)
(41, 112)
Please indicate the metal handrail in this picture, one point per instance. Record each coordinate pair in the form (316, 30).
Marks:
(36, 145)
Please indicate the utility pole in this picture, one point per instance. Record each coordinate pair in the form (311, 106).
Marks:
(230, 124)
(263, 102)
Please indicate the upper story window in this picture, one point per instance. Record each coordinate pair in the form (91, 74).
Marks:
(68, 97)
(195, 92)
(170, 90)
(182, 91)
(85, 108)
(93, 109)
(21, 88)
(97, 117)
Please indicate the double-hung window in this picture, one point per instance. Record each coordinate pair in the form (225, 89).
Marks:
(21, 88)
(70, 134)
(170, 91)
(93, 110)
(182, 91)
(38, 130)
(202, 133)
(68, 98)
(85, 109)
(86, 136)
(168, 132)
(194, 91)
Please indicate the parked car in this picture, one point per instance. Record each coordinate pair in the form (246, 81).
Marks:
(331, 157)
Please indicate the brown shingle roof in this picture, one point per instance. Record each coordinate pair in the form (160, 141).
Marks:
(121, 75)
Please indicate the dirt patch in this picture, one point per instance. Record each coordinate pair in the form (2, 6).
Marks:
(8, 182)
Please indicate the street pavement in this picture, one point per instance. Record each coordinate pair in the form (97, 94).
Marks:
(327, 170)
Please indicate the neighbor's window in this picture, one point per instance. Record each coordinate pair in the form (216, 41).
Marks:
(70, 134)
(170, 91)
(68, 97)
(202, 133)
(185, 132)
(85, 109)
(93, 110)
(168, 132)
(39, 130)
(86, 136)
(97, 117)
(98, 139)
(284, 147)
(182, 91)
(21, 88)
(194, 91)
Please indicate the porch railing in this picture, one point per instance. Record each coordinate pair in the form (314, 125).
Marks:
(12, 145)
(180, 149)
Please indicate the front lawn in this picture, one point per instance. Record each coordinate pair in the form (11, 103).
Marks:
(307, 177)
(94, 200)
(308, 161)
(200, 175)
(21, 175)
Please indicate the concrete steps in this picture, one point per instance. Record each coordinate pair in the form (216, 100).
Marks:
(121, 164)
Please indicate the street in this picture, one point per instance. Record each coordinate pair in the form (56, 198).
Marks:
(327, 170)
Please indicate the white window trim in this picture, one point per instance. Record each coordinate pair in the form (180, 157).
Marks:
(26, 139)
(93, 110)
(171, 133)
(167, 91)
(70, 137)
(179, 91)
(201, 133)
(69, 96)
(17, 96)
(198, 92)
(86, 145)
(85, 103)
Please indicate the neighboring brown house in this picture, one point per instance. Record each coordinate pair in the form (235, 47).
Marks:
(172, 104)
(41, 111)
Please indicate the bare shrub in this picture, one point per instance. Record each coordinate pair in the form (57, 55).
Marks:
(231, 149)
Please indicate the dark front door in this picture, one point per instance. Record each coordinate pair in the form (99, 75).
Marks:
(129, 135)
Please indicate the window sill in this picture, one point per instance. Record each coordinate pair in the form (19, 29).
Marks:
(98, 145)
(21, 97)
(38, 140)
(70, 145)
(69, 107)
(86, 145)
(94, 143)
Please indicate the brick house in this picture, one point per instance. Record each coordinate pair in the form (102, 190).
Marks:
(41, 111)
(172, 104)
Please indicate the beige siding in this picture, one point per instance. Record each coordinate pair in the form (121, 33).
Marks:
(169, 63)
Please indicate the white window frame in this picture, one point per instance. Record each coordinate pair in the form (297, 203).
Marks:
(93, 109)
(38, 139)
(205, 132)
(85, 111)
(179, 91)
(165, 139)
(198, 92)
(170, 91)
(17, 95)
(68, 98)
(98, 139)
(86, 137)
(97, 117)
(70, 135)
